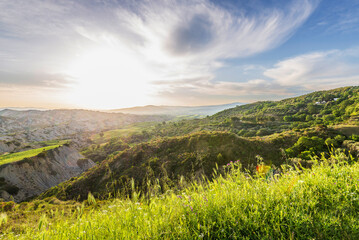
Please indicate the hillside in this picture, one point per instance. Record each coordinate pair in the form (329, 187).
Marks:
(257, 119)
(28, 174)
(34, 125)
(318, 203)
(190, 156)
(325, 108)
(32, 129)
(169, 159)
(192, 148)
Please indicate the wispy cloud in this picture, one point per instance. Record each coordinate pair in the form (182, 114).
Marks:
(293, 76)
(192, 37)
(318, 70)
(182, 42)
(180, 31)
(338, 17)
(187, 43)
(204, 90)
(37, 80)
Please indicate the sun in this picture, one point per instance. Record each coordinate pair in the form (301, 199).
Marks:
(109, 77)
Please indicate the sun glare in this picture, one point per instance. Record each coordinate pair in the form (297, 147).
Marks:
(109, 78)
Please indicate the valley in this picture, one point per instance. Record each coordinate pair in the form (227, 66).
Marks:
(22, 127)
(70, 166)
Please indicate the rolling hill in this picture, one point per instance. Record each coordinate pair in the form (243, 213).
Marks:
(193, 147)
(199, 111)
(203, 174)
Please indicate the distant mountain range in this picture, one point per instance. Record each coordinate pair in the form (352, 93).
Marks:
(22, 109)
(176, 110)
(157, 110)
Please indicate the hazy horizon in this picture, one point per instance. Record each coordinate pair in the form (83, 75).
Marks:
(99, 109)
(114, 54)
(140, 106)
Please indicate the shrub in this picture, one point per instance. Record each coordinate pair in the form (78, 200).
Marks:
(331, 142)
(355, 137)
(339, 138)
(7, 206)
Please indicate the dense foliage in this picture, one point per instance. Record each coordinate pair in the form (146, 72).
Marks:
(264, 118)
(169, 159)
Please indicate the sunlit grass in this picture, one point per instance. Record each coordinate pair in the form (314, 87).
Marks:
(348, 130)
(13, 157)
(187, 117)
(135, 128)
(52, 142)
(321, 203)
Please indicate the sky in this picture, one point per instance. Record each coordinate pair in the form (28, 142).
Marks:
(107, 54)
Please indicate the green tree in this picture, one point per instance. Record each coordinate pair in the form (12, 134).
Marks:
(312, 109)
(339, 138)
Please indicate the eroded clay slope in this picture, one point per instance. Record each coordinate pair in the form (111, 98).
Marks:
(30, 177)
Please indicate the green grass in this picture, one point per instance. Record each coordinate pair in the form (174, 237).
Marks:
(52, 142)
(135, 128)
(187, 117)
(14, 157)
(347, 130)
(321, 203)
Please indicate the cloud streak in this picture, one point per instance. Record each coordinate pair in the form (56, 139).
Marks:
(293, 76)
(181, 42)
(192, 37)
(37, 80)
(345, 18)
(318, 70)
(179, 30)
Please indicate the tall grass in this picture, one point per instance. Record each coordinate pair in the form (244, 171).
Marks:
(320, 203)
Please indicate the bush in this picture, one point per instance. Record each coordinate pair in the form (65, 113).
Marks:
(314, 145)
(287, 118)
(309, 118)
(355, 137)
(331, 142)
(7, 206)
(263, 132)
(306, 155)
(339, 138)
